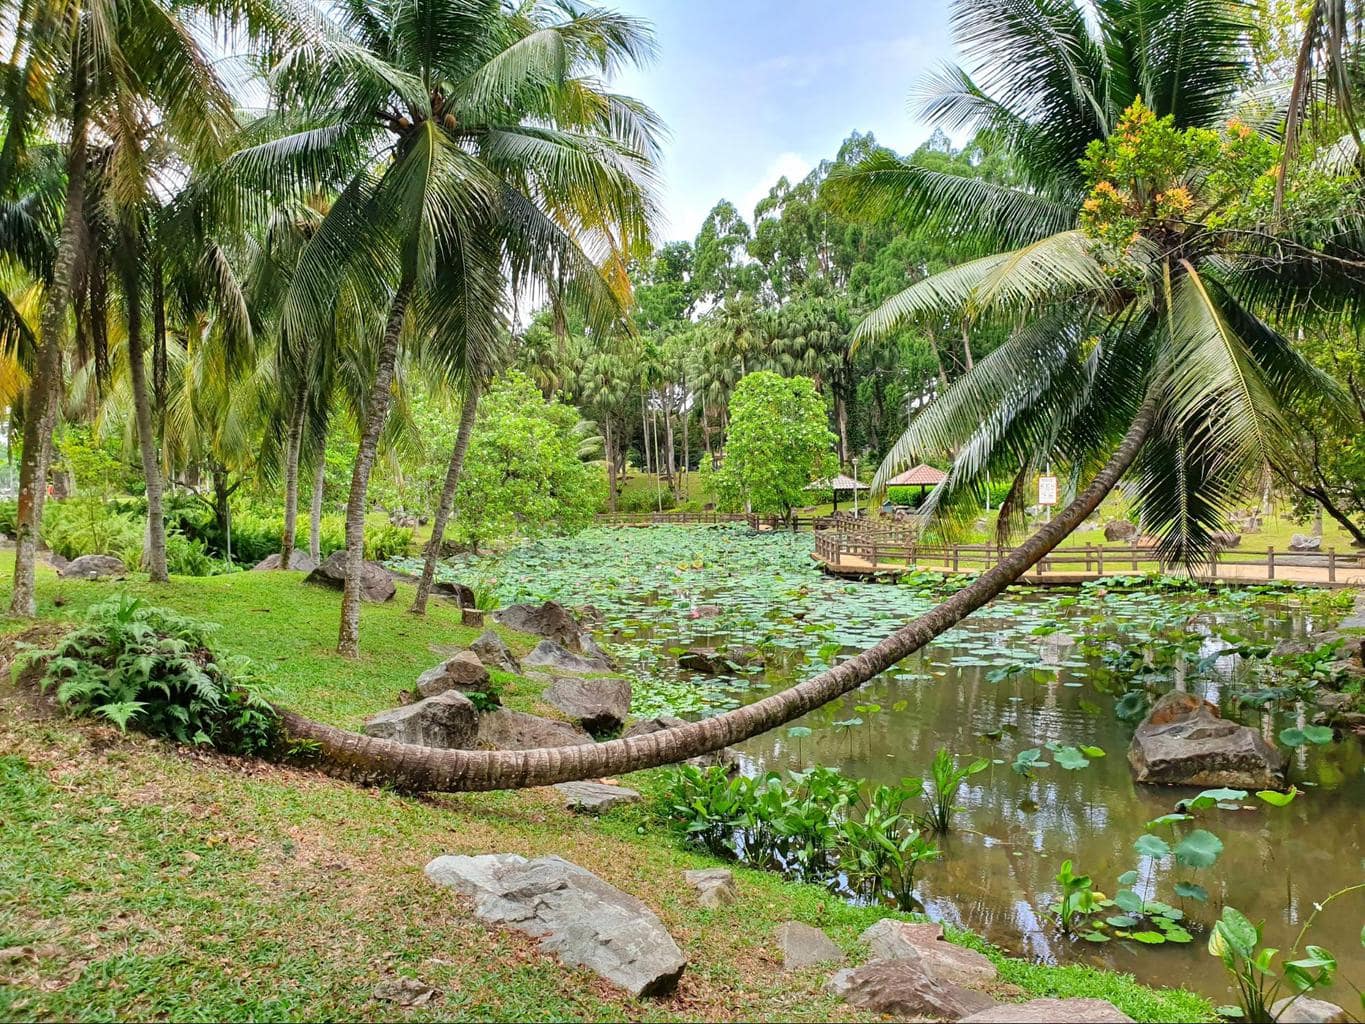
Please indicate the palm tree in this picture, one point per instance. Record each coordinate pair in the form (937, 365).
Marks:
(457, 137)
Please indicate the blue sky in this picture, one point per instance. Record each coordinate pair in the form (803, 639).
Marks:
(752, 89)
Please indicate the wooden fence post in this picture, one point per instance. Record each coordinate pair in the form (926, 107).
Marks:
(1099, 559)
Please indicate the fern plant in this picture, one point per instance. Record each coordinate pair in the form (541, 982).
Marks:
(154, 669)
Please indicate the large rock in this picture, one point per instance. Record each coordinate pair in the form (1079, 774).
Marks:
(904, 988)
(516, 730)
(1303, 1010)
(1184, 742)
(92, 567)
(890, 939)
(1051, 1011)
(595, 797)
(457, 592)
(550, 620)
(447, 720)
(712, 661)
(490, 649)
(1120, 530)
(553, 655)
(715, 886)
(804, 946)
(1305, 542)
(375, 582)
(576, 916)
(1226, 539)
(464, 672)
(598, 704)
(645, 726)
(299, 561)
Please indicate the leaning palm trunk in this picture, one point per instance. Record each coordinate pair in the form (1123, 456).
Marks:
(154, 557)
(468, 413)
(425, 768)
(348, 638)
(291, 476)
(45, 384)
(315, 509)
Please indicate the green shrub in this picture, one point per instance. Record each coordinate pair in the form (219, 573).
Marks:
(155, 669)
(387, 541)
(9, 517)
(645, 500)
(89, 526)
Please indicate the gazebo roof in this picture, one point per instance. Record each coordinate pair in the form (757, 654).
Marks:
(842, 482)
(919, 476)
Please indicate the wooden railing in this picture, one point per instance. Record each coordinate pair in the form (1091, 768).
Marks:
(799, 520)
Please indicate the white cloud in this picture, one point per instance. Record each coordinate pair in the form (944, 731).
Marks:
(793, 166)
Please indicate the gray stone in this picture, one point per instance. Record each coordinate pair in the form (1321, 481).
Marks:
(645, 726)
(576, 916)
(549, 654)
(93, 567)
(452, 591)
(1183, 742)
(464, 672)
(1305, 542)
(904, 988)
(550, 620)
(890, 939)
(713, 661)
(299, 561)
(595, 797)
(1356, 620)
(591, 649)
(516, 730)
(715, 886)
(1304, 1010)
(1120, 530)
(405, 992)
(1226, 539)
(1051, 1011)
(802, 946)
(375, 582)
(598, 704)
(494, 653)
(448, 720)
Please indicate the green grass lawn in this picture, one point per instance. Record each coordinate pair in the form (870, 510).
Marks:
(151, 881)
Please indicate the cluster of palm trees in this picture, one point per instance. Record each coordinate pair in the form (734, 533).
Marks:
(234, 250)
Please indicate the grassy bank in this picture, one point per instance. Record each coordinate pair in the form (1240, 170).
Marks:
(150, 881)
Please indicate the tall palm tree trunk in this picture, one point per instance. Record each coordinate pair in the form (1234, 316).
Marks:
(293, 442)
(40, 404)
(468, 413)
(315, 509)
(610, 441)
(348, 637)
(426, 768)
(154, 557)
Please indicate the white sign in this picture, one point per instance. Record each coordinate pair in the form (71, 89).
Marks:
(1047, 490)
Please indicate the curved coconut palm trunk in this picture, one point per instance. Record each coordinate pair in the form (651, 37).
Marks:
(315, 508)
(425, 768)
(468, 413)
(291, 476)
(348, 638)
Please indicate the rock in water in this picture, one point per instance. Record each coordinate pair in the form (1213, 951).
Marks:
(904, 988)
(549, 654)
(448, 720)
(945, 961)
(491, 650)
(576, 916)
(595, 797)
(92, 567)
(1051, 1011)
(550, 620)
(597, 704)
(463, 672)
(1120, 530)
(299, 561)
(715, 886)
(516, 730)
(803, 946)
(1184, 742)
(375, 582)
(1303, 1010)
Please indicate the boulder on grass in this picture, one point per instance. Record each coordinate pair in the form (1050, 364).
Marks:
(516, 730)
(548, 654)
(1226, 539)
(448, 720)
(1120, 530)
(904, 988)
(576, 916)
(457, 592)
(715, 886)
(375, 582)
(595, 797)
(1052, 1011)
(598, 704)
(464, 672)
(550, 620)
(299, 561)
(93, 567)
(490, 649)
(1184, 742)
(1304, 542)
(803, 946)
(890, 939)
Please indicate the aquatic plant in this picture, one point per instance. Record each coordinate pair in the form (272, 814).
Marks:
(948, 778)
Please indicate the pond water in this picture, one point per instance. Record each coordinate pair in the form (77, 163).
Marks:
(1035, 667)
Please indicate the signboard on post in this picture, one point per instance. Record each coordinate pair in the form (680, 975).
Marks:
(1047, 490)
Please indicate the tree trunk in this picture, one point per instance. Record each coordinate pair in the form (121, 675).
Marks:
(423, 768)
(468, 412)
(609, 439)
(841, 419)
(348, 636)
(671, 462)
(315, 511)
(293, 442)
(966, 349)
(154, 557)
(40, 404)
(644, 433)
(222, 498)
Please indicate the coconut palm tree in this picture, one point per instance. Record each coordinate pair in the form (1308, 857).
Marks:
(467, 152)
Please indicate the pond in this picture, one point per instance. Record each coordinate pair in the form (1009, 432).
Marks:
(1032, 669)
